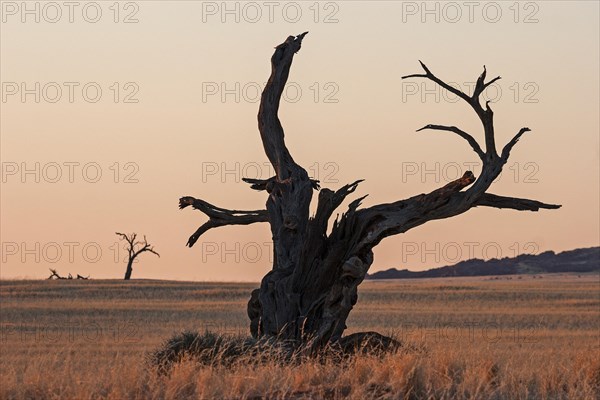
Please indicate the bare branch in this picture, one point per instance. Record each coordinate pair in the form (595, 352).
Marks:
(145, 247)
(130, 239)
(124, 236)
(460, 133)
(268, 184)
(200, 231)
(389, 219)
(55, 274)
(429, 75)
(492, 200)
(290, 195)
(506, 150)
(485, 115)
(261, 184)
(151, 250)
(491, 82)
(220, 216)
(271, 131)
(481, 85)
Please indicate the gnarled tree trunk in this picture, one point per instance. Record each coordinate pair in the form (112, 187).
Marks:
(312, 286)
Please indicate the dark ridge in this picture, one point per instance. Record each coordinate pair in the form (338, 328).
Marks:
(578, 261)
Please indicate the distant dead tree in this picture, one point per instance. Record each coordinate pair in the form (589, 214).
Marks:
(56, 275)
(312, 286)
(135, 249)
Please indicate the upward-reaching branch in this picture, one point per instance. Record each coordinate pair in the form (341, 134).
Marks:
(135, 248)
(291, 181)
(271, 131)
(485, 115)
(506, 150)
(145, 246)
(290, 192)
(437, 80)
(389, 219)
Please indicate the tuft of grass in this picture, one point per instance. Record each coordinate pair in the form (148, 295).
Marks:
(210, 348)
(214, 349)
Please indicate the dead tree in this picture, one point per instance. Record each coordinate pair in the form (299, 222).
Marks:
(56, 275)
(134, 249)
(313, 283)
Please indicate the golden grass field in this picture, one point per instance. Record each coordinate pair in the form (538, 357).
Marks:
(466, 338)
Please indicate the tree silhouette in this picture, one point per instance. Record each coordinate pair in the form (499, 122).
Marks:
(312, 286)
(135, 249)
(55, 275)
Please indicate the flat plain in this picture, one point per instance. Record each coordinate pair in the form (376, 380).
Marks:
(510, 337)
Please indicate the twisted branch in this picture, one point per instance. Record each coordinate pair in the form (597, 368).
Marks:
(220, 216)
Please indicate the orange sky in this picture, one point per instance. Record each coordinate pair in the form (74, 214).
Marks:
(177, 116)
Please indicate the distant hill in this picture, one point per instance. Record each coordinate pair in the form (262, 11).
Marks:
(579, 260)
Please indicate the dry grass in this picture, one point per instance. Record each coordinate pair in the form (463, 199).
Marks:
(468, 338)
